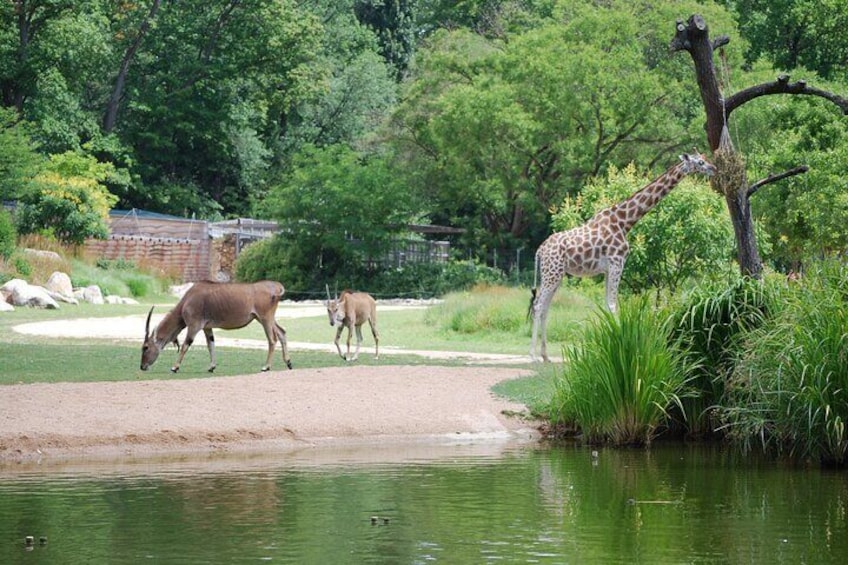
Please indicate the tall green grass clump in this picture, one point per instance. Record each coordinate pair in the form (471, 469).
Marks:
(491, 308)
(790, 392)
(116, 279)
(481, 309)
(712, 321)
(620, 382)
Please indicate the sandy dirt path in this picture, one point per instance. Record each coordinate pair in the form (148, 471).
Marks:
(276, 410)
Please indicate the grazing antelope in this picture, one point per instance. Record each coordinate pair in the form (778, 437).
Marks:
(350, 310)
(208, 305)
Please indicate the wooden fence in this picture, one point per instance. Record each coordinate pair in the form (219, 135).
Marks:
(175, 247)
(192, 250)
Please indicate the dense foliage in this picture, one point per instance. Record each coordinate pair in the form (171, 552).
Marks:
(620, 382)
(478, 115)
(8, 235)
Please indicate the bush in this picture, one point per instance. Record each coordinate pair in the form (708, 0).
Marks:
(426, 280)
(712, 321)
(790, 392)
(619, 383)
(484, 308)
(269, 259)
(8, 235)
(279, 259)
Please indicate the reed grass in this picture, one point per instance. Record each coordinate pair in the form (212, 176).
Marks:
(618, 384)
(711, 321)
(499, 310)
(790, 392)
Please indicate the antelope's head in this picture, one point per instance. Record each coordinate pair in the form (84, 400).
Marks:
(335, 309)
(149, 349)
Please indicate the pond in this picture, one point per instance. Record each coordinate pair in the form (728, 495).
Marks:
(488, 502)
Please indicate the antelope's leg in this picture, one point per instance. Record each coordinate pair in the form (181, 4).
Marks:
(349, 335)
(373, 325)
(189, 339)
(270, 328)
(338, 336)
(358, 341)
(281, 335)
(210, 345)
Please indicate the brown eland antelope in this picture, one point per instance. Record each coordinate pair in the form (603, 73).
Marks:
(350, 310)
(208, 305)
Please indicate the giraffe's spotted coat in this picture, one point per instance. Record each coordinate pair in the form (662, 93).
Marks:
(600, 245)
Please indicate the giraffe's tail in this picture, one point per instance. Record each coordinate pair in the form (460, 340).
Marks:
(532, 302)
(533, 290)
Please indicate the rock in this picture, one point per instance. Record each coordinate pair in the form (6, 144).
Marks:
(60, 283)
(32, 296)
(62, 298)
(90, 294)
(9, 286)
(42, 254)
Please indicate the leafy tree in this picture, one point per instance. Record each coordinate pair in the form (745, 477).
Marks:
(211, 78)
(731, 179)
(804, 215)
(18, 159)
(796, 34)
(499, 131)
(68, 200)
(357, 93)
(8, 235)
(394, 23)
(686, 236)
(340, 207)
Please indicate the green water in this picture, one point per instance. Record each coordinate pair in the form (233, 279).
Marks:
(483, 503)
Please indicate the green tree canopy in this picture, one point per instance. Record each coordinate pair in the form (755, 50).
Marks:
(339, 207)
(68, 200)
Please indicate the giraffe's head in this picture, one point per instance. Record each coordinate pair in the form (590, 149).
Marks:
(697, 163)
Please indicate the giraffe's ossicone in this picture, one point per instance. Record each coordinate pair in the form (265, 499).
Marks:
(600, 245)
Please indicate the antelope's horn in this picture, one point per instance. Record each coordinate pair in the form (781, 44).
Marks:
(326, 286)
(147, 325)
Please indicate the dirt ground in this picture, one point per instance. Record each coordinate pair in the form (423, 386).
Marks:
(276, 410)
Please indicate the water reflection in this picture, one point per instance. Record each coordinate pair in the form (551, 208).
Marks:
(464, 503)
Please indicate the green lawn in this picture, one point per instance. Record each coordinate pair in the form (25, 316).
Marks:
(28, 359)
(483, 328)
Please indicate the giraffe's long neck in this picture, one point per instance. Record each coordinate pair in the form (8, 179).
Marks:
(630, 211)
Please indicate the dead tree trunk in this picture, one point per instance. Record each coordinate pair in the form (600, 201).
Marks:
(731, 179)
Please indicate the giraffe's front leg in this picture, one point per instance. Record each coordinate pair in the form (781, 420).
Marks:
(613, 278)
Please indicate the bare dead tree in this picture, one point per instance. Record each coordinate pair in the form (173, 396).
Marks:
(731, 179)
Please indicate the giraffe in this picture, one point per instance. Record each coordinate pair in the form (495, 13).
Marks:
(600, 245)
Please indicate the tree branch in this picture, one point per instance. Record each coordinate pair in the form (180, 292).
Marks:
(754, 187)
(782, 86)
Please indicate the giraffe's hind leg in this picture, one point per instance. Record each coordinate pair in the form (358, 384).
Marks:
(541, 306)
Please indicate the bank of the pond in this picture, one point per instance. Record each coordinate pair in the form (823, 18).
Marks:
(276, 410)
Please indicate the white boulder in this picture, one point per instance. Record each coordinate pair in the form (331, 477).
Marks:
(91, 294)
(114, 299)
(30, 295)
(60, 283)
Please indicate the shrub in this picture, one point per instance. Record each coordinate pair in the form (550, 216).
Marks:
(483, 308)
(619, 383)
(712, 321)
(8, 235)
(790, 392)
(269, 259)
